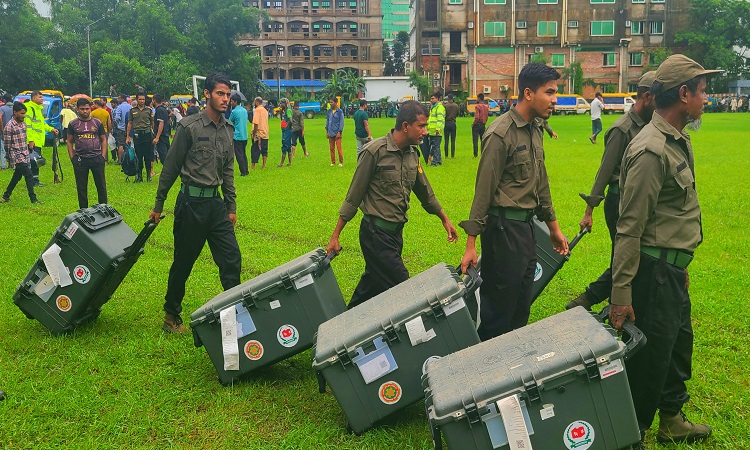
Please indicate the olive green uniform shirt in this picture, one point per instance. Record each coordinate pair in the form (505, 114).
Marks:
(141, 120)
(658, 202)
(383, 182)
(544, 124)
(616, 141)
(511, 172)
(202, 155)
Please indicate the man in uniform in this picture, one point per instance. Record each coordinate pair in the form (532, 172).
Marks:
(511, 188)
(162, 128)
(141, 124)
(435, 127)
(202, 155)
(451, 112)
(36, 133)
(388, 170)
(658, 230)
(616, 140)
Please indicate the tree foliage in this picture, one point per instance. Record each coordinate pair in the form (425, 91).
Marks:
(422, 84)
(396, 55)
(719, 35)
(158, 44)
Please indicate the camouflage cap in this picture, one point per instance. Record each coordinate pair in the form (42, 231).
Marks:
(647, 79)
(678, 69)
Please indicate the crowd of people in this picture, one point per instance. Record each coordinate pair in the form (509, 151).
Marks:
(651, 205)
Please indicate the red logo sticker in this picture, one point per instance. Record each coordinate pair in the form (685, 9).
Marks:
(254, 350)
(63, 303)
(389, 392)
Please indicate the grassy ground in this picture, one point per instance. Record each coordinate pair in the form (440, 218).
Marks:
(122, 383)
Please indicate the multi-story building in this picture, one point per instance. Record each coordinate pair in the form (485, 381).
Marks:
(311, 39)
(611, 39)
(395, 18)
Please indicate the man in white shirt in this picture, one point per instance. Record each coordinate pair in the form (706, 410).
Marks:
(596, 117)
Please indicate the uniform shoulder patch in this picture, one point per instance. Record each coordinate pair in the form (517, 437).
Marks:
(623, 123)
(186, 121)
(649, 139)
(501, 125)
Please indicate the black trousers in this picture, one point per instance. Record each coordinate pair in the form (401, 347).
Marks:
(600, 290)
(508, 265)
(81, 168)
(658, 372)
(197, 220)
(162, 148)
(384, 267)
(424, 147)
(450, 138)
(240, 154)
(477, 131)
(21, 170)
(144, 151)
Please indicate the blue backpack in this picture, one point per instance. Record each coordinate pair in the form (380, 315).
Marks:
(129, 164)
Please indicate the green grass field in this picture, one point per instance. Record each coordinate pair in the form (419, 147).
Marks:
(120, 382)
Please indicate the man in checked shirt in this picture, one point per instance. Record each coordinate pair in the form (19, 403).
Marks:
(14, 140)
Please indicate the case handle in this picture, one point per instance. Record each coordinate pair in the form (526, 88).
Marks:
(475, 278)
(577, 238)
(636, 339)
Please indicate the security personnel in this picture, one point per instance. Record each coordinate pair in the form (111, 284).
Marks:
(616, 140)
(388, 170)
(141, 124)
(202, 155)
(658, 230)
(511, 188)
(36, 131)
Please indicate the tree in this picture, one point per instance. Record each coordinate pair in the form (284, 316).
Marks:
(421, 83)
(353, 84)
(400, 52)
(574, 72)
(388, 69)
(655, 58)
(539, 58)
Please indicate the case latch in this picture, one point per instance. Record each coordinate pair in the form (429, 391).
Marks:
(286, 280)
(437, 308)
(532, 390)
(390, 333)
(592, 369)
(472, 413)
(344, 357)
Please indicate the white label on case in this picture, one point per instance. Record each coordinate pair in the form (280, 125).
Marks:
(613, 368)
(301, 282)
(454, 306)
(514, 423)
(547, 411)
(375, 368)
(417, 333)
(71, 230)
(229, 345)
(545, 356)
(275, 304)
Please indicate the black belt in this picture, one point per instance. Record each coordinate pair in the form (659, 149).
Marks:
(195, 191)
(673, 257)
(382, 223)
(522, 215)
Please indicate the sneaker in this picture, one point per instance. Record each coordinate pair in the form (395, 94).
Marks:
(593, 141)
(677, 428)
(341, 164)
(332, 164)
(37, 202)
(4, 200)
(173, 324)
(581, 300)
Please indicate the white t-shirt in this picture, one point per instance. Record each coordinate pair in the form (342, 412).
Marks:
(596, 109)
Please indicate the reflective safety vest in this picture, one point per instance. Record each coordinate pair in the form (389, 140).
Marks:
(36, 127)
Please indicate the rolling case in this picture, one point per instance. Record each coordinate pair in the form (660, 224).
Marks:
(372, 356)
(269, 318)
(559, 383)
(548, 261)
(87, 258)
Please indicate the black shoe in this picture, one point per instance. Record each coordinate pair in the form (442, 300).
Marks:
(148, 178)
(38, 184)
(138, 179)
(37, 201)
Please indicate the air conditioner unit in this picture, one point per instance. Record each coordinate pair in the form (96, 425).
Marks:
(504, 87)
(408, 66)
(436, 76)
(446, 67)
(627, 23)
(365, 72)
(538, 49)
(470, 25)
(487, 90)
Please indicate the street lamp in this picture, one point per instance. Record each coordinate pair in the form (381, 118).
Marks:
(88, 42)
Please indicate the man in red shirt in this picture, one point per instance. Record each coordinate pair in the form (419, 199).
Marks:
(481, 113)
